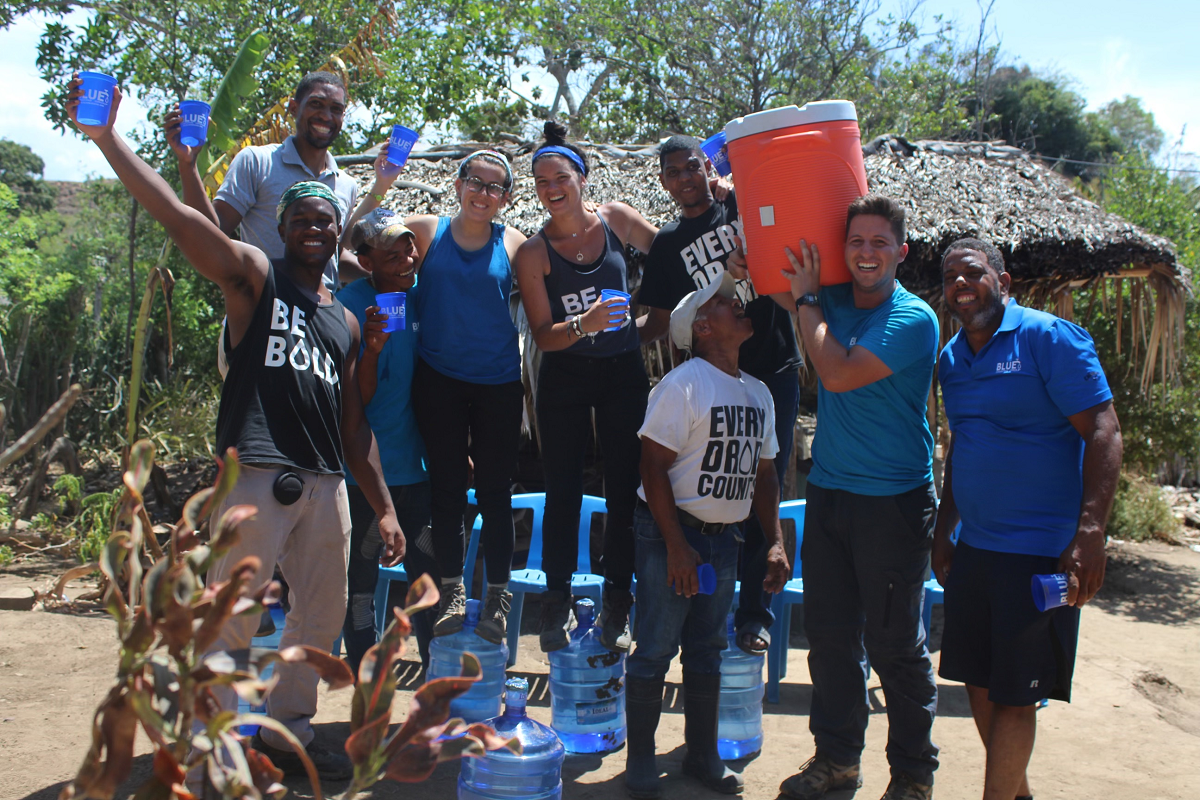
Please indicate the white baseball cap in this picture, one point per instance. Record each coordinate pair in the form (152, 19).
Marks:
(685, 313)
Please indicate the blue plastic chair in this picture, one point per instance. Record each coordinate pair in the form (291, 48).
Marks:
(398, 573)
(584, 583)
(781, 604)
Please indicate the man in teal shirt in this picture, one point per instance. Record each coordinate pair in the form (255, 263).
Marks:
(868, 525)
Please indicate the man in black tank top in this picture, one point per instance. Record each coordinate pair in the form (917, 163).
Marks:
(687, 254)
(291, 408)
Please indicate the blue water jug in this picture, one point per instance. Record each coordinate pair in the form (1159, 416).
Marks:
(268, 642)
(587, 689)
(445, 661)
(739, 724)
(536, 774)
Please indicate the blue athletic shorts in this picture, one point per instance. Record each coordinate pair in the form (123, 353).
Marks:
(995, 637)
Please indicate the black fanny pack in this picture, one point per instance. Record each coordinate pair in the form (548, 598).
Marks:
(288, 488)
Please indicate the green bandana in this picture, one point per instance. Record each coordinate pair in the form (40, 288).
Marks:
(303, 189)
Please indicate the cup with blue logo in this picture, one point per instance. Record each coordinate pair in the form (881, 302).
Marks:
(706, 575)
(1049, 591)
(193, 122)
(392, 304)
(400, 144)
(714, 148)
(616, 316)
(95, 99)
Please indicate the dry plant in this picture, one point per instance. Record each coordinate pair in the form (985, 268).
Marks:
(167, 619)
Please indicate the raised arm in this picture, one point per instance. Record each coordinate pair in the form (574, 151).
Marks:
(1084, 559)
(238, 269)
(194, 195)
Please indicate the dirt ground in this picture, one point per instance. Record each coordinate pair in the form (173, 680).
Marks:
(1133, 730)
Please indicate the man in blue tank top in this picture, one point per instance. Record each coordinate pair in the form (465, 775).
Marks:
(1035, 453)
(868, 524)
(291, 407)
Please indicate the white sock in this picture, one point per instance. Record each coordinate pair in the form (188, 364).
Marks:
(451, 581)
(500, 586)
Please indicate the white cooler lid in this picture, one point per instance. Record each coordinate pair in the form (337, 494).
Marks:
(789, 117)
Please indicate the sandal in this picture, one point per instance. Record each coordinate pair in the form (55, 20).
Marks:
(754, 640)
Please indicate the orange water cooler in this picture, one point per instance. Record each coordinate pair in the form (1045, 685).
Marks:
(796, 171)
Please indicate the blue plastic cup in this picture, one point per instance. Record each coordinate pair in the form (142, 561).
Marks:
(392, 304)
(400, 144)
(617, 317)
(96, 101)
(193, 115)
(707, 574)
(714, 148)
(1049, 591)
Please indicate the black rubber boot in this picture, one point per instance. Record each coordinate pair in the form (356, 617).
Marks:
(643, 707)
(701, 700)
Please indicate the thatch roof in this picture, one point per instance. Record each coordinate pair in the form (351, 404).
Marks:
(1052, 238)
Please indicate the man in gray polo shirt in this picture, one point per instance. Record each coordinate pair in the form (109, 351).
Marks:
(259, 175)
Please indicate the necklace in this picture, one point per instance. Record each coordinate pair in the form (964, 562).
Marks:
(578, 249)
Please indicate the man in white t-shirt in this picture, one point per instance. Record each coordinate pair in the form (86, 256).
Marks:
(708, 444)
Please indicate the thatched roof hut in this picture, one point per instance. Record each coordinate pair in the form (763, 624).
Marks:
(1053, 239)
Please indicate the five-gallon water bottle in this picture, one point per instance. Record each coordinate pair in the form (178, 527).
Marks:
(445, 661)
(587, 689)
(535, 774)
(739, 725)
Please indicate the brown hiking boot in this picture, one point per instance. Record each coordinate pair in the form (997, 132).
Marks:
(818, 777)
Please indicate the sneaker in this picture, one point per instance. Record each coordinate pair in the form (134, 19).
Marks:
(614, 620)
(331, 766)
(903, 787)
(557, 618)
(819, 776)
(452, 610)
(493, 619)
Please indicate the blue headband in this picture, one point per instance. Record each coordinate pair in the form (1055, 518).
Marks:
(565, 152)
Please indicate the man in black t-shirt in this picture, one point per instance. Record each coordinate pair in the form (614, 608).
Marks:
(687, 254)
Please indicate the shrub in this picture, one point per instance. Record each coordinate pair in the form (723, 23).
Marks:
(1139, 512)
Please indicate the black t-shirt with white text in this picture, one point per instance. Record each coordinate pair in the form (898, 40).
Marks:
(687, 254)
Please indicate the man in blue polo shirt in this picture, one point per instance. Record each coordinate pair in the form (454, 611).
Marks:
(868, 525)
(1035, 453)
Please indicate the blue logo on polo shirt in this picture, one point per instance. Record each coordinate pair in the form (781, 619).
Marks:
(1007, 367)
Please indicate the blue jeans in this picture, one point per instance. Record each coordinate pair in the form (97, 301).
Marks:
(754, 605)
(667, 621)
(864, 561)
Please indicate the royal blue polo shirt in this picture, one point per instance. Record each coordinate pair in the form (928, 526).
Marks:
(1018, 462)
(875, 440)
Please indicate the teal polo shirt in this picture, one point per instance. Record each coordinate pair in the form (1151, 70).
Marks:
(1017, 466)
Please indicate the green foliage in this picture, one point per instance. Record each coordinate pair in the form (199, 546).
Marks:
(1133, 125)
(69, 490)
(1139, 512)
(180, 417)
(5, 512)
(94, 522)
(6, 555)
(21, 170)
(238, 84)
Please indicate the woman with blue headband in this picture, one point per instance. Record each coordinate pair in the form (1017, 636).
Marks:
(591, 361)
(466, 390)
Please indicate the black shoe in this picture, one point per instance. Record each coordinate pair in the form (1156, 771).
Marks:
(614, 620)
(452, 610)
(331, 766)
(643, 707)
(557, 617)
(701, 698)
(820, 776)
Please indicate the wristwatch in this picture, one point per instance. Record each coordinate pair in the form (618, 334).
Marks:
(808, 299)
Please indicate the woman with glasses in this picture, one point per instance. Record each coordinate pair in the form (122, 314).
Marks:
(591, 361)
(467, 387)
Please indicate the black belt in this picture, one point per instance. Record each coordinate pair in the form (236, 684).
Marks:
(692, 521)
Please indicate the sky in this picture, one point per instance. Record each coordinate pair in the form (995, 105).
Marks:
(1110, 49)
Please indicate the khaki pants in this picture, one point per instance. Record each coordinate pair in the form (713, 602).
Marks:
(310, 541)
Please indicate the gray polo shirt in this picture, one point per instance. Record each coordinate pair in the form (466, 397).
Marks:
(258, 177)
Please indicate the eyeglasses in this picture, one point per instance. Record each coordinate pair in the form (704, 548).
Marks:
(477, 186)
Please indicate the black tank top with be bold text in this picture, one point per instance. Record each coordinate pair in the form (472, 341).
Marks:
(282, 399)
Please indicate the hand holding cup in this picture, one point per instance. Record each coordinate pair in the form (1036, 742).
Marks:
(84, 99)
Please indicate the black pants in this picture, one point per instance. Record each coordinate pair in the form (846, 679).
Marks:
(456, 418)
(569, 388)
(412, 512)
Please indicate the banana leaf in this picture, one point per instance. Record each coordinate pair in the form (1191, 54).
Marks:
(238, 84)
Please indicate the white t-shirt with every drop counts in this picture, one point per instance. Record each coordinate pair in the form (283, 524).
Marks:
(720, 427)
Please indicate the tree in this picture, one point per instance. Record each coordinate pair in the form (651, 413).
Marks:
(21, 170)
(1133, 126)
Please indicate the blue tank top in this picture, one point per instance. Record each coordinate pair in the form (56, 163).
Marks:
(467, 332)
(574, 288)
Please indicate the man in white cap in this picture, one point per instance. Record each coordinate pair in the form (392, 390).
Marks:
(708, 444)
